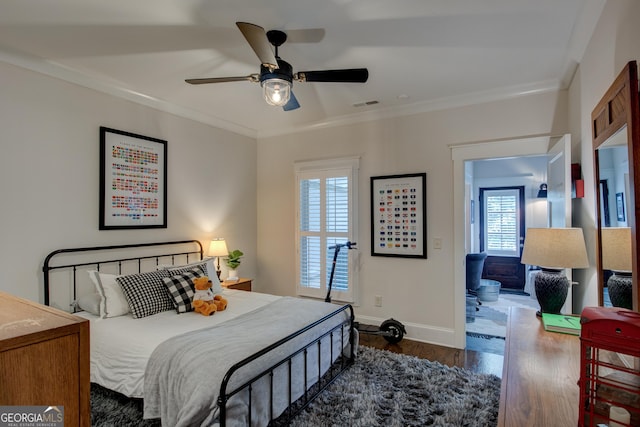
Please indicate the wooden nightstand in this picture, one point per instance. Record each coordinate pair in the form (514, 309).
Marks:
(241, 284)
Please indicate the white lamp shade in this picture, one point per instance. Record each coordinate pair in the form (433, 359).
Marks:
(616, 248)
(218, 248)
(555, 248)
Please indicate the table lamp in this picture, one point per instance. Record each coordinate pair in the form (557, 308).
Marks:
(616, 256)
(218, 248)
(553, 249)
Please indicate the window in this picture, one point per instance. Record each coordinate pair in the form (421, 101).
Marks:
(326, 203)
(501, 222)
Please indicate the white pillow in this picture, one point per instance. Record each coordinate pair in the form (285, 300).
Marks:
(209, 271)
(112, 300)
(90, 303)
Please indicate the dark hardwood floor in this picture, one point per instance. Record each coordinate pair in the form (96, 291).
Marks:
(480, 362)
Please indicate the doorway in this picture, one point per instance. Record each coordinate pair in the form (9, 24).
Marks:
(505, 192)
(465, 228)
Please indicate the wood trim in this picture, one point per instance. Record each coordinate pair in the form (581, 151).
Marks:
(619, 107)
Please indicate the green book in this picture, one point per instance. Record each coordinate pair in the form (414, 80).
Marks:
(564, 323)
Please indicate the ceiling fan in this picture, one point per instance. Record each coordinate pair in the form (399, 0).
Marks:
(276, 75)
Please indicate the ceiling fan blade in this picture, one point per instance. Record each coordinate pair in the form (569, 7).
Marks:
(250, 77)
(352, 75)
(257, 39)
(292, 104)
(307, 35)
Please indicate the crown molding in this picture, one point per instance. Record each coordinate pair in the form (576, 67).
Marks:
(56, 70)
(59, 71)
(464, 100)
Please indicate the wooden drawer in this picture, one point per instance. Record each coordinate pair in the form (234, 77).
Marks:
(44, 358)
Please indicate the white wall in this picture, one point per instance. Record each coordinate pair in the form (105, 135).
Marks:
(49, 134)
(613, 43)
(420, 293)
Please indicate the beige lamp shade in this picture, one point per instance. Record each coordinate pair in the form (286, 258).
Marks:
(616, 248)
(218, 248)
(555, 248)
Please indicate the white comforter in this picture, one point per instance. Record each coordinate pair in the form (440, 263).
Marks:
(121, 346)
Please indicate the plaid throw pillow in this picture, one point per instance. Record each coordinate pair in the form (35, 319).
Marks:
(208, 268)
(181, 289)
(146, 293)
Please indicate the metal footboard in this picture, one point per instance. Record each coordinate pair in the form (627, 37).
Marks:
(295, 406)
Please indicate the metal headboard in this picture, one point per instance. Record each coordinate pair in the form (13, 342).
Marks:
(47, 267)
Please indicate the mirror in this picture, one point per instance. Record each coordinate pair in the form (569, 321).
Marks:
(615, 141)
(613, 172)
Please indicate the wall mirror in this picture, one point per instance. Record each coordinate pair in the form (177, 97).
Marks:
(616, 145)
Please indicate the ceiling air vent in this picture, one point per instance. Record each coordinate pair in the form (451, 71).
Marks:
(362, 104)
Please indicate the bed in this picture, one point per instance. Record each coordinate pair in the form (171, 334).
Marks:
(263, 359)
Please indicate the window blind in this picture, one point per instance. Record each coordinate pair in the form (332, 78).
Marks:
(501, 225)
(325, 215)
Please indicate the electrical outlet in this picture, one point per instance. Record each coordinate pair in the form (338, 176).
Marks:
(378, 300)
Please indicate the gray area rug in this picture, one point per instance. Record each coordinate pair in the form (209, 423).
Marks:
(380, 389)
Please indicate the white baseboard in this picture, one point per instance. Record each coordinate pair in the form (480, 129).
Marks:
(418, 332)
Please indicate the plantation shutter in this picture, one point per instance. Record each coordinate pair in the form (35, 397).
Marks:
(325, 217)
(501, 223)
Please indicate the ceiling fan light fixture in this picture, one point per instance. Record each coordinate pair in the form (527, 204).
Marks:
(276, 91)
(276, 75)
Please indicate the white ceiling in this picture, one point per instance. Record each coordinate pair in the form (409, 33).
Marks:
(421, 54)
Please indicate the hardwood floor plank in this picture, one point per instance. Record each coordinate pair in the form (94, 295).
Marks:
(475, 361)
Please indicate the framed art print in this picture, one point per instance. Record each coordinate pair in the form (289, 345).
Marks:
(133, 181)
(620, 206)
(398, 215)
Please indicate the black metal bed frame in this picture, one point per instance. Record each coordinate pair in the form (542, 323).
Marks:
(47, 267)
(343, 361)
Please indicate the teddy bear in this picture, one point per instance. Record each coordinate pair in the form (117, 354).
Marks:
(204, 301)
(220, 302)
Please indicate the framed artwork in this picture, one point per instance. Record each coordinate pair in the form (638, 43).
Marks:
(133, 181)
(620, 206)
(398, 215)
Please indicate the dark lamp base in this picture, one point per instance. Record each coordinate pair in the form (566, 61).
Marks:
(552, 287)
(620, 290)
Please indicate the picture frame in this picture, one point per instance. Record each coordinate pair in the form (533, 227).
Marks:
(133, 181)
(398, 215)
(620, 206)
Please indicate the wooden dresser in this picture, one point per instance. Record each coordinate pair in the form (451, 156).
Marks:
(44, 359)
(540, 374)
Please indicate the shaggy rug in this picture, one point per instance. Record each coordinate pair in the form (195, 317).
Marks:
(380, 389)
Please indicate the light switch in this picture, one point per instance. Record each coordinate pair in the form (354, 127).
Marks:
(437, 243)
